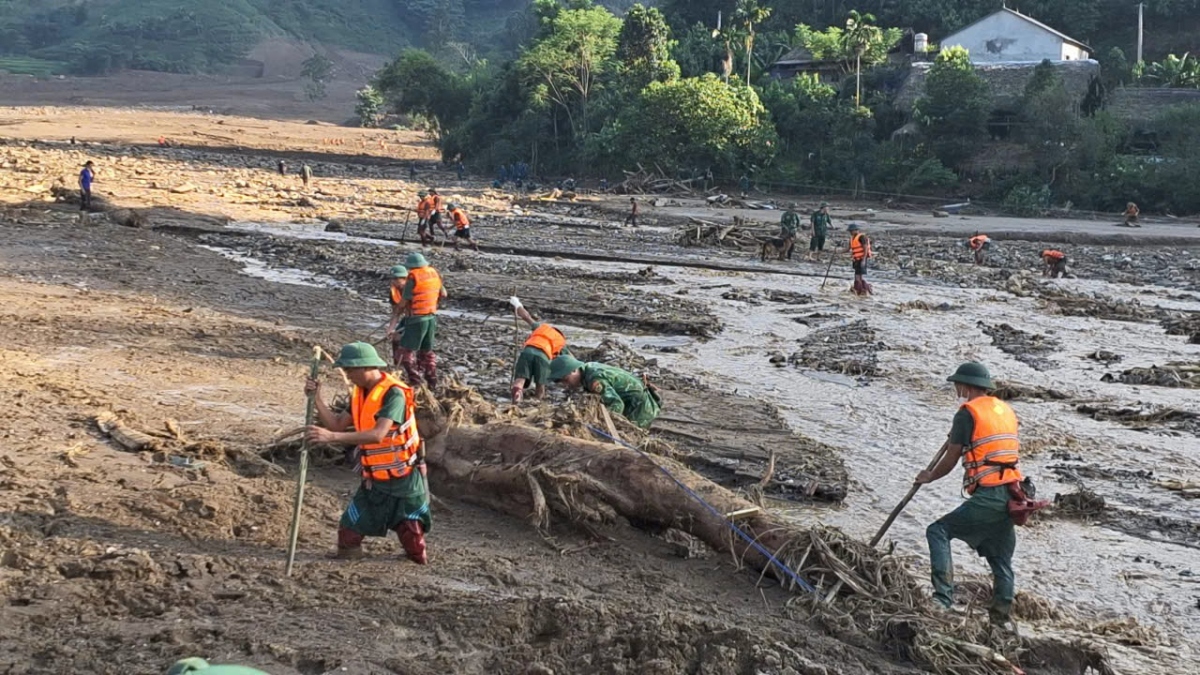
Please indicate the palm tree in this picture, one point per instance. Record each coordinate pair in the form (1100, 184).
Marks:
(749, 12)
(860, 34)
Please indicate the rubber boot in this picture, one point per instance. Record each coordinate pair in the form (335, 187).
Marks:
(408, 361)
(349, 544)
(412, 538)
(427, 362)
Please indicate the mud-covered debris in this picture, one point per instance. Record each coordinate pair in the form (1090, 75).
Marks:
(1145, 418)
(1083, 504)
(849, 349)
(1184, 324)
(816, 318)
(1181, 375)
(921, 305)
(769, 295)
(1013, 391)
(1028, 348)
(1104, 356)
(1098, 306)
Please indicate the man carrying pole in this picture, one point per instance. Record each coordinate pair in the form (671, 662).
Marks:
(382, 423)
(421, 294)
(399, 274)
(985, 436)
(860, 253)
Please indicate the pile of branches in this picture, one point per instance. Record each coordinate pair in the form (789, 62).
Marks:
(642, 182)
(1182, 375)
(849, 349)
(1184, 324)
(1099, 306)
(742, 234)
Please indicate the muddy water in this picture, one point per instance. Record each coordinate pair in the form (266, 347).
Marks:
(888, 427)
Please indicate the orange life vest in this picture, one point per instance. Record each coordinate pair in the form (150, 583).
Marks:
(461, 222)
(424, 207)
(435, 203)
(397, 297)
(548, 339)
(978, 241)
(395, 456)
(427, 290)
(1056, 255)
(859, 250)
(991, 458)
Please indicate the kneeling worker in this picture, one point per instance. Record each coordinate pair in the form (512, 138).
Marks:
(1055, 263)
(382, 422)
(620, 391)
(984, 435)
(533, 363)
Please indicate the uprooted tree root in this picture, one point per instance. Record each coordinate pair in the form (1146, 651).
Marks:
(515, 463)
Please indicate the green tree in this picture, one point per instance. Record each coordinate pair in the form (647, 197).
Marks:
(568, 61)
(953, 112)
(318, 69)
(832, 44)
(861, 33)
(750, 14)
(1050, 126)
(691, 123)
(1176, 72)
(369, 106)
(416, 83)
(644, 47)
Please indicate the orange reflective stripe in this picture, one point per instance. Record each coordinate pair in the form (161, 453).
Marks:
(992, 456)
(395, 456)
(427, 290)
(548, 339)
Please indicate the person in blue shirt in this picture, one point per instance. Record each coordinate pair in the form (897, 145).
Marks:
(86, 178)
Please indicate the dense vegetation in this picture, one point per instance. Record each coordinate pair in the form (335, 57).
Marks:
(590, 93)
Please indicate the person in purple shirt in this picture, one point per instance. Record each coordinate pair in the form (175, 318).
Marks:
(86, 178)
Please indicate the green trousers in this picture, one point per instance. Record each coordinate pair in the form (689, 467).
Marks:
(981, 522)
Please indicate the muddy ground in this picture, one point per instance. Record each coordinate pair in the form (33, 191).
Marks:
(198, 326)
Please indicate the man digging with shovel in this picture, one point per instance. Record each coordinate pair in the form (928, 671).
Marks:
(984, 434)
(382, 423)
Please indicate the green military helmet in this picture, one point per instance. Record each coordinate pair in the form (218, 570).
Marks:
(563, 366)
(974, 374)
(415, 260)
(359, 355)
(824, 205)
(452, 205)
(853, 227)
(398, 271)
(422, 194)
(201, 667)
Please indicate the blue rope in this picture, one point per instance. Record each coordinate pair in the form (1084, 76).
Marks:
(733, 526)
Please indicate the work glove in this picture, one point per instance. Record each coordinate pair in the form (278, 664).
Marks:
(515, 302)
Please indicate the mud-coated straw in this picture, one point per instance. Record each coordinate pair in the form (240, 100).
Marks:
(309, 413)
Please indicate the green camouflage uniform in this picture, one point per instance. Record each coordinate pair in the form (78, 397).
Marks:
(789, 224)
(621, 392)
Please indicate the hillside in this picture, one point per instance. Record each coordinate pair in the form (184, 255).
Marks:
(195, 36)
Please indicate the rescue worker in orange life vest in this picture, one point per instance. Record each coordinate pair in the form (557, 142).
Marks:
(984, 435)
(860, 253)
(382, 423)
(462, 226)
(533, 363)
(399, 275)
(978, 244)
(421, 294)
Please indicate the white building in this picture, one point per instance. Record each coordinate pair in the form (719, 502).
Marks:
(1009, 36)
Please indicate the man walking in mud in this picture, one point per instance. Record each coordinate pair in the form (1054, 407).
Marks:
(820, 226)
(421, 294)
(399, 274)
(435, 215)
(382, 424)
(860, 253)
(306, 175)
(462, 227)
(532, 369)
(619, 390)
(424, 204)
(631, 219)
(86, 177)
(984, 435)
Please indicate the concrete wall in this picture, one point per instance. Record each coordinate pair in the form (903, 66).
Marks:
(1007, 37)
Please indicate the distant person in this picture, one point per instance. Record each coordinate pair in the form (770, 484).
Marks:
(460, 170)
(708, 179)
(412, 170)
(462, 227)
(1054, 263)
(631, 219)
(860, 253)
(86, 177)
(1131, 215)
(424, 208)
(744, 184)
(282, 165)
(789, 228)
(978, 244)
(569, 185)
(399, 276)
(604, 185)
(306, 175)
(435, 214)
(502, 175)
(821, 223)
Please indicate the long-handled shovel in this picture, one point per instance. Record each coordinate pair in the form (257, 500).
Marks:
(887, 524)
(832, 257)
(404, 234)
(309, 413)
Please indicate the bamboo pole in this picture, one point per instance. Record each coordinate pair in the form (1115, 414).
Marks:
(309, 413)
